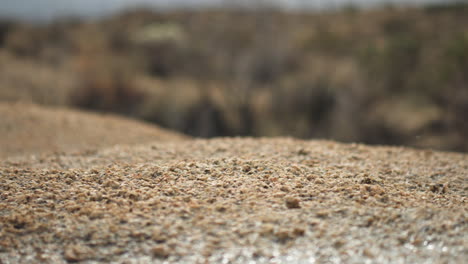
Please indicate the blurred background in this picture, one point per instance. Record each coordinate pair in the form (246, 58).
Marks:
(369, 71)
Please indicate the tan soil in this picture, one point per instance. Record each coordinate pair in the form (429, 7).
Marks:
(32, 129)
(234, 200)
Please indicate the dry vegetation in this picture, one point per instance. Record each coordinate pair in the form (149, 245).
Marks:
(391, 76)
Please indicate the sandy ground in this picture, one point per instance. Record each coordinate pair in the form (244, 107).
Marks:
(32, 129)
(233, 200)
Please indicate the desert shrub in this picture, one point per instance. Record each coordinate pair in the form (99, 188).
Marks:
(453, 6)
(108, 93)
(390, 76)
(5, 27)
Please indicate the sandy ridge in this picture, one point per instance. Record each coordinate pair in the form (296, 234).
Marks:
(32, 129)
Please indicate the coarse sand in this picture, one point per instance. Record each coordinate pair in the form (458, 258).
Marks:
(233, 200)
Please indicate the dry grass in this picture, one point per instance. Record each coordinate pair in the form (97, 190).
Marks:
(210, 73)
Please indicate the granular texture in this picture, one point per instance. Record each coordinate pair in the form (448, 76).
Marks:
(235, 200)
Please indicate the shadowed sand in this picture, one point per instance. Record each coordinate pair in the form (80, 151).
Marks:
(226, 200)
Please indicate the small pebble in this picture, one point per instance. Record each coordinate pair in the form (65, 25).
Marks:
(292, 203)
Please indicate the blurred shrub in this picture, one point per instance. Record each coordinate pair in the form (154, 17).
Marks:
(5, 27)
(112, 93)
(390, 76)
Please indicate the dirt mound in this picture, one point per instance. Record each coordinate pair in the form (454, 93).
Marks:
(235, 200)
(32, 129)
